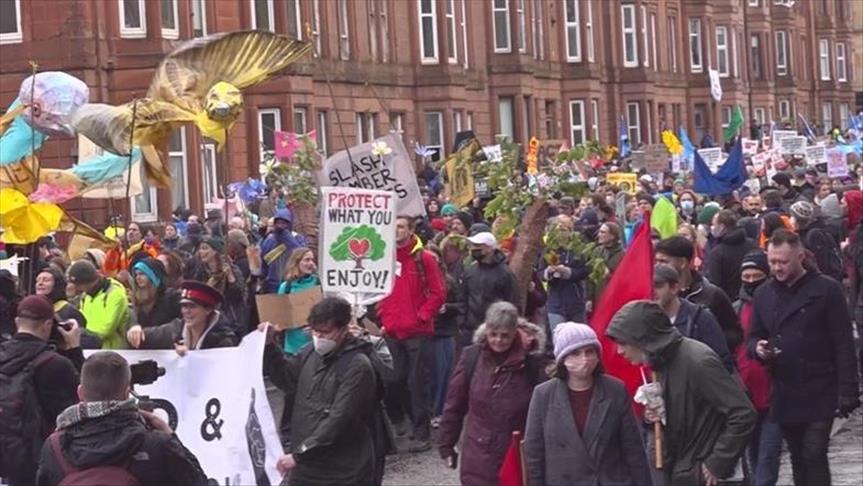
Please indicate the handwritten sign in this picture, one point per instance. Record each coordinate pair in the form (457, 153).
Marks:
(759, 161)
(750, 147)
(816, 154)
(837, 163)
(795, 145)
(780, 134)
(712, 157)
(358, 234)
(625, 181)
(653, 158)
(387, 168)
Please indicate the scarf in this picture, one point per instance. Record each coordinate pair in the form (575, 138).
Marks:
(81, 412)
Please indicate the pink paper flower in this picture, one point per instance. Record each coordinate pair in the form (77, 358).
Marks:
(52, 193)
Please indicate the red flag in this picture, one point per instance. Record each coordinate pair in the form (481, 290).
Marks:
(632, 280)
(511, 472)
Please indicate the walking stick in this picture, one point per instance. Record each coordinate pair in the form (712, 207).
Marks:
(657, 433)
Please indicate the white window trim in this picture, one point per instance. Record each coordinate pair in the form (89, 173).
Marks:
(456, 122)
(735, 52)
(510, 100)
(434, 59)
(572, 57)
(442, 147)
(634, 127)
(464, 34)
(537, 7)
(506, 25)
(841, 60)
(397, 123)
(146, 216)
(753, 3)
(594, 108)
(128, 32)
(271, 15)
(522, 28)
(298, 21)
(760, 116)
(644, 36)
(304, 114)
(722, 51)
(449, 16)
(827, 109)
(210, 150)
(844, 114)
(18, 35)
(629, 31)
(581, 127)
(277, 127)
(174, 33)
(695, 67)
(824, 59)
(344, 31)
(653, 40)
(470, 120)
(672, 31)
(784, 109)
(203, 4)
(321, 127)
(365, 120)
(781, 67)
(185, 157)
(725, 120)
(591, 45)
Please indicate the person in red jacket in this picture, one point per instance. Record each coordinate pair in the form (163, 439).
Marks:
(407, 318)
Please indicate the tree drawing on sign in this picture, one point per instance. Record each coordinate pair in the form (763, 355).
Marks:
(358, 244)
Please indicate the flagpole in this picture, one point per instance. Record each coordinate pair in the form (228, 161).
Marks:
(748, 50)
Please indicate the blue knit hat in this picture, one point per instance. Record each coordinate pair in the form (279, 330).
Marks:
(570, 336)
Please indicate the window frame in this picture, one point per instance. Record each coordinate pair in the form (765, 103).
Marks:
(522, 25)
(506, 26)
(184, 160)
(139, 32)
(172, 34)
(630, 31)
(645, 37)
(760, 115)
(841, 74)
(594, 108)
(344, 30)
(500, 103)
(722, 51)
(18, 35)
(784, 109)
(441, 148)
(321, 133)
(672, 32)
(202, 14)
(465, 62)
(581, 128)
(209, 165)
(653, 41)
(829, 111)
(781, 67)
(450, 18)
(575, 24)
(753, 3)
(755, 67)
(591, 43)
(298, 18)
(422, 16)
(316, 26)
(365, 124)
(824, 59)
(697, 38)
(271, 15)
(725, 116)
(145, 216)
(634, 141)
(303, 112)
(844, 115)
(277, 127)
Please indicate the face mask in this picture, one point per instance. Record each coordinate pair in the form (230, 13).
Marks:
(751, 287)
(324, 346)
(476, 255)
(687, 206)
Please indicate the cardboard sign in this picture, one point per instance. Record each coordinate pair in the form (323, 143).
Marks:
(387, 168)
(459, 168)
(288, 311)
(653, 158)
(750, 147)
(795, 145)
(816, 154)
(358, 239)
(625, 181)
(712, 157)
(837, 163)
(778, 135)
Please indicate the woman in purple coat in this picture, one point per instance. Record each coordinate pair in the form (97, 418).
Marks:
(491, 388)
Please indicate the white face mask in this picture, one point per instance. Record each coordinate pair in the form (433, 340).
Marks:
(324, 346)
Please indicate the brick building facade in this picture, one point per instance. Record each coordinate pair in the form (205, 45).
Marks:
(557, 69)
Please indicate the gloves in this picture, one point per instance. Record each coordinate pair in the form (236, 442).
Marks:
(846, 406)
(650, 395)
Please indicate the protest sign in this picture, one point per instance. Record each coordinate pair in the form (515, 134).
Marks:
(750, 147)
(653, 158)
(493, 153)
(816, 154)
(625, 181)
(837, 163)
(795, 145)
(754, 185)
(712, 157)
(358, 234)
(216, 402)
(532, 156)
(459, 168)
(759, 161)
(778, 135)
(383, 165)
(287, 311)
(548, 150)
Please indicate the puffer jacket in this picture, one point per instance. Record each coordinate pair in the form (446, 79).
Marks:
(417, 296)
(709, 417)
(485, 284)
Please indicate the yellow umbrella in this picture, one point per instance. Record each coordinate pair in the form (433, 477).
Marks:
(23, 221)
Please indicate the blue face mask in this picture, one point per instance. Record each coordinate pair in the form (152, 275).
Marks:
(687, 206)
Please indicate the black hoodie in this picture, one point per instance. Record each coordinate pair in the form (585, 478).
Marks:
(722, 263)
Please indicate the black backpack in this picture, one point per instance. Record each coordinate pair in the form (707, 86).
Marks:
(21, 419)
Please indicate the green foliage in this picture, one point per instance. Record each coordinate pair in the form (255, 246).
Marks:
(558, 238)
(358, 244)
(297, 175)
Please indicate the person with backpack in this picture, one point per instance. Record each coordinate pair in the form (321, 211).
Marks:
(489, 394)
(106, 439)
(37, 382)
(407, 319)
(821, 248)
(336, 391)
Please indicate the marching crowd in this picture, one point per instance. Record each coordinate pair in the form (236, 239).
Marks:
(750, 333)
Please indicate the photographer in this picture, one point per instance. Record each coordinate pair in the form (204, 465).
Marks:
(106, 439)
(42, 379)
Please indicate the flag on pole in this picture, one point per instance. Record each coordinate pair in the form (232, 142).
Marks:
(513, 471)
(729, 177)
(688, 148)
(664, 218)
(734, 124)
(807, 129)
(623, 135)
(632, 280)
(715, 85)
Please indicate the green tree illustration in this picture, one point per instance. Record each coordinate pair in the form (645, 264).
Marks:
(358, 244)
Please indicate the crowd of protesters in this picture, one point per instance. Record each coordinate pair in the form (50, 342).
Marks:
(751, 331)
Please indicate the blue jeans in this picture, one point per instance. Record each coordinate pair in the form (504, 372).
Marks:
(443, 356)
(765, 449)
(555, 319)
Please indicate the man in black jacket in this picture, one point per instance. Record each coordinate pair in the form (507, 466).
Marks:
(722, 264)
(55, 374)
(485, 282)
(817, 241)
(678, 252)
(801, 328)
(108, 429)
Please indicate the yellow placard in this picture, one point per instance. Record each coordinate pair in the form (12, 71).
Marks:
(626, 181)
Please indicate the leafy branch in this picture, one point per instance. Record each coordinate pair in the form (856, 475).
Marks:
(297, 174)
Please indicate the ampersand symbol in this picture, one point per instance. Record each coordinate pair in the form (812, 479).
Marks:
(210, 427)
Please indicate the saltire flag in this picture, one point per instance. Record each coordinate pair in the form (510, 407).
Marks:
(807, 129)
(729, 177)
(623, 135)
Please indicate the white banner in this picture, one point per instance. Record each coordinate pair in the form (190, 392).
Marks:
(778, 135)
(715, 85)
(382, 165)
(816, 154)
(358, 239)
(221, 406)
(795, 145)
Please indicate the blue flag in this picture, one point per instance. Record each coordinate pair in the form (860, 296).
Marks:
(730, 176)
(688, 148)
(810, 134)
(625, 147)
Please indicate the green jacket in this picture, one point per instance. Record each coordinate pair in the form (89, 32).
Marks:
(107, 313)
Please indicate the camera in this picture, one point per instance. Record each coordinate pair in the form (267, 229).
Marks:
(146, 372)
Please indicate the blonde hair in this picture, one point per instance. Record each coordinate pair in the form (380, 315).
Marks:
(292, 268)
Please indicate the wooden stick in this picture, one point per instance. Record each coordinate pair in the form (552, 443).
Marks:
(657, 433)
(521, 456)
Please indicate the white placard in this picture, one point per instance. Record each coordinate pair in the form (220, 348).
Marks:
(779, 135)
(493, 153)
(383, 165)
(223, 415)
(760, 160)
(795, 145)
(816, 154)
(750, 147)
(837, 163)
(712, 157)
(358, 239)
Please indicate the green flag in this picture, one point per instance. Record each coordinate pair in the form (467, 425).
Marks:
(734, 124)
(664, 218)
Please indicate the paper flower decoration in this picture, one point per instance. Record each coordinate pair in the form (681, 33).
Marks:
(51, 100)
(380, 148)
(53, 193)
(266, 167)
(671, 142)
(25, 222)
(287, 144)
(422, 150)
